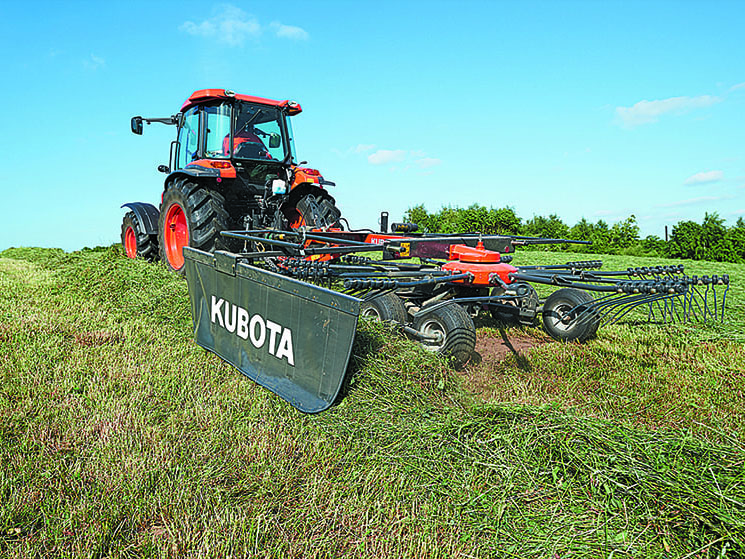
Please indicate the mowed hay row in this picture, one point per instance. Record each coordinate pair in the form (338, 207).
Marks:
(122, 438)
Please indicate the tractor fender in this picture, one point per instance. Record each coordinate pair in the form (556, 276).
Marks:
(194, 171)
(304, 188)
(147, 215)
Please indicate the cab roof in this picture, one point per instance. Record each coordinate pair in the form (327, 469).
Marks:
(202, 95)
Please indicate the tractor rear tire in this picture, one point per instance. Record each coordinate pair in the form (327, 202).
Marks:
(136, 242)
(455, 329)
(190, 215)
(567, 315)
(316, 209)
(387, 307)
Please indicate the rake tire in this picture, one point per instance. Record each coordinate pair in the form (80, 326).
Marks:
(387, 307)
(454, 324)
(567, 316)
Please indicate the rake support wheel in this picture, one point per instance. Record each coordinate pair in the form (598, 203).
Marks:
(387, 307)
(452, 329)
(567, 315)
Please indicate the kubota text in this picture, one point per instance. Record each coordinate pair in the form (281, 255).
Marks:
(237, 319)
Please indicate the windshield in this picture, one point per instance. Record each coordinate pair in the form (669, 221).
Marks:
(258, 133)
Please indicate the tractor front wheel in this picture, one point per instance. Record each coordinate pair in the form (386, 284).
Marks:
(448, 330)
(568, 316)
(136, 242)
(190, 215)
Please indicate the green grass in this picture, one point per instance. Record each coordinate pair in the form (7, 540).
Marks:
(119, 437)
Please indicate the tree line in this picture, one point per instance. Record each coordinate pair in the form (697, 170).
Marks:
(711, 239)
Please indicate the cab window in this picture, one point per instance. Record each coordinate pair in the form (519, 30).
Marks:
(188, 137)
(218, 128)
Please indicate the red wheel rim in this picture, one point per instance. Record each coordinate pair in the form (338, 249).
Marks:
(175, 236)
(130, 243)
(295, 219)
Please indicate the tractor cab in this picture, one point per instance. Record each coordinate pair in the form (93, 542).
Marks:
(243, 137)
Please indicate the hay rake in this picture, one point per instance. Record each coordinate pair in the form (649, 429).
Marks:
(285, 308)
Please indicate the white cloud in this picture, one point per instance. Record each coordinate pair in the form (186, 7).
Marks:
(645, 112)
(737, 86)
(289, 32)
(94, 62)
(427, 162)
(231, 25)
(362, 148)
(705, 177)
(384, 156)
(694, 201)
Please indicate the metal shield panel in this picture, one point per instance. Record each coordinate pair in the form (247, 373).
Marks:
(289, 336)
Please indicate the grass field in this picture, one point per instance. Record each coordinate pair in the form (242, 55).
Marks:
(119, 437)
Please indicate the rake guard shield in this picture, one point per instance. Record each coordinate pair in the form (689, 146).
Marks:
(291, 337)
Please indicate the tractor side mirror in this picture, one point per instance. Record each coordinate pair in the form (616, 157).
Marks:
(137, 125)
(164, 168)
(274, 140)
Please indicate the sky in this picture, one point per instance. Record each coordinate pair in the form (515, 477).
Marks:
(594, 109)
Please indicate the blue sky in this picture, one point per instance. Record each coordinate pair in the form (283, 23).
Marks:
(594, 109)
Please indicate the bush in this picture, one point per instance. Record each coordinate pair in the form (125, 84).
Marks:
(710, 240)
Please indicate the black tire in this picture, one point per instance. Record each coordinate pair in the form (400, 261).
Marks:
(137, 243)
(568, 317)
(387, 307)
(316, 209)
(204, 214)
(455, 326)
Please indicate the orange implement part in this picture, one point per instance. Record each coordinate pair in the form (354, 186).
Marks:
(480, 271)
(478, 253)
(479, 262)
(175, 235)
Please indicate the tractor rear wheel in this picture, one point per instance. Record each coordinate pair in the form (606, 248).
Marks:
(450, 330)
(567, 315)
(135, 241)
(315, 209)
(190, 215)
(387, 307)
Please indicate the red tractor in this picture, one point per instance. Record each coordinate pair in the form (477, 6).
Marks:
(232, 167)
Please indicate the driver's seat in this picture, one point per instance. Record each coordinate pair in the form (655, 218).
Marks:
(251, 150)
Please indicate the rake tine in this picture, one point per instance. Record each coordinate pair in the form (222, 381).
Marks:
(695, 292)
(668, 310)
(624, 302)
(706, 303)
(724, 298)
(712, 295)
(673, 309)
(659, 307)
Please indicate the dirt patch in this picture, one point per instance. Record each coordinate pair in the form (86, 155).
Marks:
(492, 349)
(100, 337)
